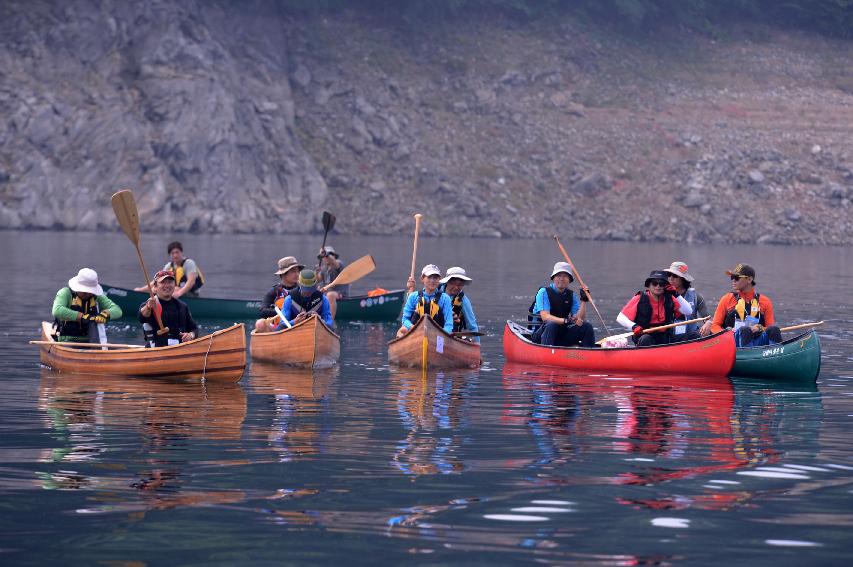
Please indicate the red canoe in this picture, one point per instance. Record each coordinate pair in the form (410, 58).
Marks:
(708, 356)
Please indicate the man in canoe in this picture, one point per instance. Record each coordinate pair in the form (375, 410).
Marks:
(560, 315)
(80, 307)
(173, 312)
(329, 265)
(746, 311)
(463, 313)
(309, 300)
(430, 301)
(187, 275)
(682, 281)
(288, 273)
(658, 305)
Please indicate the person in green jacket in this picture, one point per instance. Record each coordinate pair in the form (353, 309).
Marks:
(80, 307)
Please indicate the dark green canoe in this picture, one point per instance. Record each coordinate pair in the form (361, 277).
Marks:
(385, 307)
(794, 359)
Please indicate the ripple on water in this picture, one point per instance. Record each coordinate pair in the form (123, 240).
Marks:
(792, 543)
(515, 518)
(678, 523)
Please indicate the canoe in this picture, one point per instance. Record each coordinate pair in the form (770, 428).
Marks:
(426, 345)
(309, 343)
(385, 307)
(710, 356)
(795, 359)
(220, 356)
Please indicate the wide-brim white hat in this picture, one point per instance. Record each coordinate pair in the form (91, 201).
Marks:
(455, 272)
(680, 269)
(86, 281)
(563, 267)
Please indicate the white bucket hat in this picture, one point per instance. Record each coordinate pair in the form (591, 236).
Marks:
(563, 267)
(455, 272)
(430, 270)
(680, 269)
(86, 281)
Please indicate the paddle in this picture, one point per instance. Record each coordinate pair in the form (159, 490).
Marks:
(353, 272)
(580, 281)
(651, 330)
(415, 245)
(467, 334)
(328, 223)
(282, 317)
(124, 207)
(802, 326)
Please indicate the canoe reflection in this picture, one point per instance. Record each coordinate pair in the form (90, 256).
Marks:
(299, 398)
(433, 408)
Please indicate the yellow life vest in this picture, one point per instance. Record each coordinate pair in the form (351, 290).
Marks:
(181, 276)
(434, 309)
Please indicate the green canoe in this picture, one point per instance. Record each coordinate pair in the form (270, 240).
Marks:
(794, 359)
(385, 307)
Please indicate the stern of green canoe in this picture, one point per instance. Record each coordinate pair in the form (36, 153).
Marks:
(795, 359)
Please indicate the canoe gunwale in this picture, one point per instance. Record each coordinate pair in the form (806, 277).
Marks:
(463, 357)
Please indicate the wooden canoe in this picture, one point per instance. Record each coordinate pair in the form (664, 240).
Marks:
(220, 356)
(385, 307)
(310, 343)
(427, 345)
(710, 356)
(795, 359)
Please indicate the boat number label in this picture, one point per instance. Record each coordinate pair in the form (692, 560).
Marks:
(439, 344)
(371, 301)
(253, 304)
(773, 351)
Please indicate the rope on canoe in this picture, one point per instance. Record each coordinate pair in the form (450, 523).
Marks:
(204, 368)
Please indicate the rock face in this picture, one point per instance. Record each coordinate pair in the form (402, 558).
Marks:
(228, 116)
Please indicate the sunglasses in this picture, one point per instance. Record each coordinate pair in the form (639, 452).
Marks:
(736, 278)
(658, 283)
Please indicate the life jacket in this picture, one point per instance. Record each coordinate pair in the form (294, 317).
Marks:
(77, 328)
(181, 277)
(434, 309)
(691, 297)
(456, 305)
(737, 316)
(561, 306)
(644, 311)
(311, 303)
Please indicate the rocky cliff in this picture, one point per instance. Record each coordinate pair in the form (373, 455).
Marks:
(242, 117)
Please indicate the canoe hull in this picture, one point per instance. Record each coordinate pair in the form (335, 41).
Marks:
(442, 350)
(385, 307)
(709, 356)
(795, 359)
(309, 343)
(220, 356)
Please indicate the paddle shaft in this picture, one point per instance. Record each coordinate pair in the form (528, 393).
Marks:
(802, 326)
(580, 281)
(653, 329)
(415, 245)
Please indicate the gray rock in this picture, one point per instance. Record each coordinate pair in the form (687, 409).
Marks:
(302, 76)
(592, 185)
(793, 214)
(694, 199)
(756, 176)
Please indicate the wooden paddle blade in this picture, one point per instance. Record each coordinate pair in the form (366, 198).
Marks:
(124, 206)
(328, 221)
(355, 271)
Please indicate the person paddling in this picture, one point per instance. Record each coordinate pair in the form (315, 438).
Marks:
(746, 311)
(174, 313)
(561, 316)
(463, 312)
(308, 301)
(659, 304)
(429, 301)
(329, 266)
(80, 307)
(288, 274)
(679, 278)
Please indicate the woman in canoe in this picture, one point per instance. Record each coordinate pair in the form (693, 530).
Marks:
(653, 307)
(558, 314)
(463, 312)
(682, 281)
(81, 306)
(429, 301)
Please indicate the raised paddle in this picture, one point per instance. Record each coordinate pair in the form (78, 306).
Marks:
(580, 281)
(651, 330)
(328, 223)
(802, 326)
(415, 245)
(353, 272)
(124, 206)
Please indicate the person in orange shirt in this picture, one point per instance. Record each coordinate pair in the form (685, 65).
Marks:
(746, 311)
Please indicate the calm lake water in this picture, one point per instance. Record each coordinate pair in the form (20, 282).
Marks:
(364, 464)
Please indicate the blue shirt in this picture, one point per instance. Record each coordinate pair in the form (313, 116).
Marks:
(542, 302)
(443, 305)
(468, 313)
(290, 312)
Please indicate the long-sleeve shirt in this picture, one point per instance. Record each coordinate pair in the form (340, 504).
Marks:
(729, 301)
(469, 317)
(268, 303)
(443, 305)
(62, 310)
(628, 314)
(290, 312)
(176, 316)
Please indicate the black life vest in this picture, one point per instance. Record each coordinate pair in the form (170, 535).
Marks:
(561, 306)
(434, 309)
(456, 305)
(181, 277)
(77, 328)
(175, 315)
(644, 311)
(740, 312)
(311, 303)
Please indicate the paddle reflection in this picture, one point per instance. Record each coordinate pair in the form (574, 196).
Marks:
(298, 399)
(434, 407)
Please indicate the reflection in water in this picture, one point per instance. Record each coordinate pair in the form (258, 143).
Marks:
(299, 399)
(432, 407)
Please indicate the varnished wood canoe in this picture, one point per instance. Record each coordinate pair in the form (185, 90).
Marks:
(709, 356)
(220, 356)
(310, 343)
(795, 359)
(427, 345)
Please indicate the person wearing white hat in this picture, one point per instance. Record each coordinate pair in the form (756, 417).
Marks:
(429, 301)
(79, 307)
(681, 280)
(329, 266)
(452, 283)
(560, 314)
